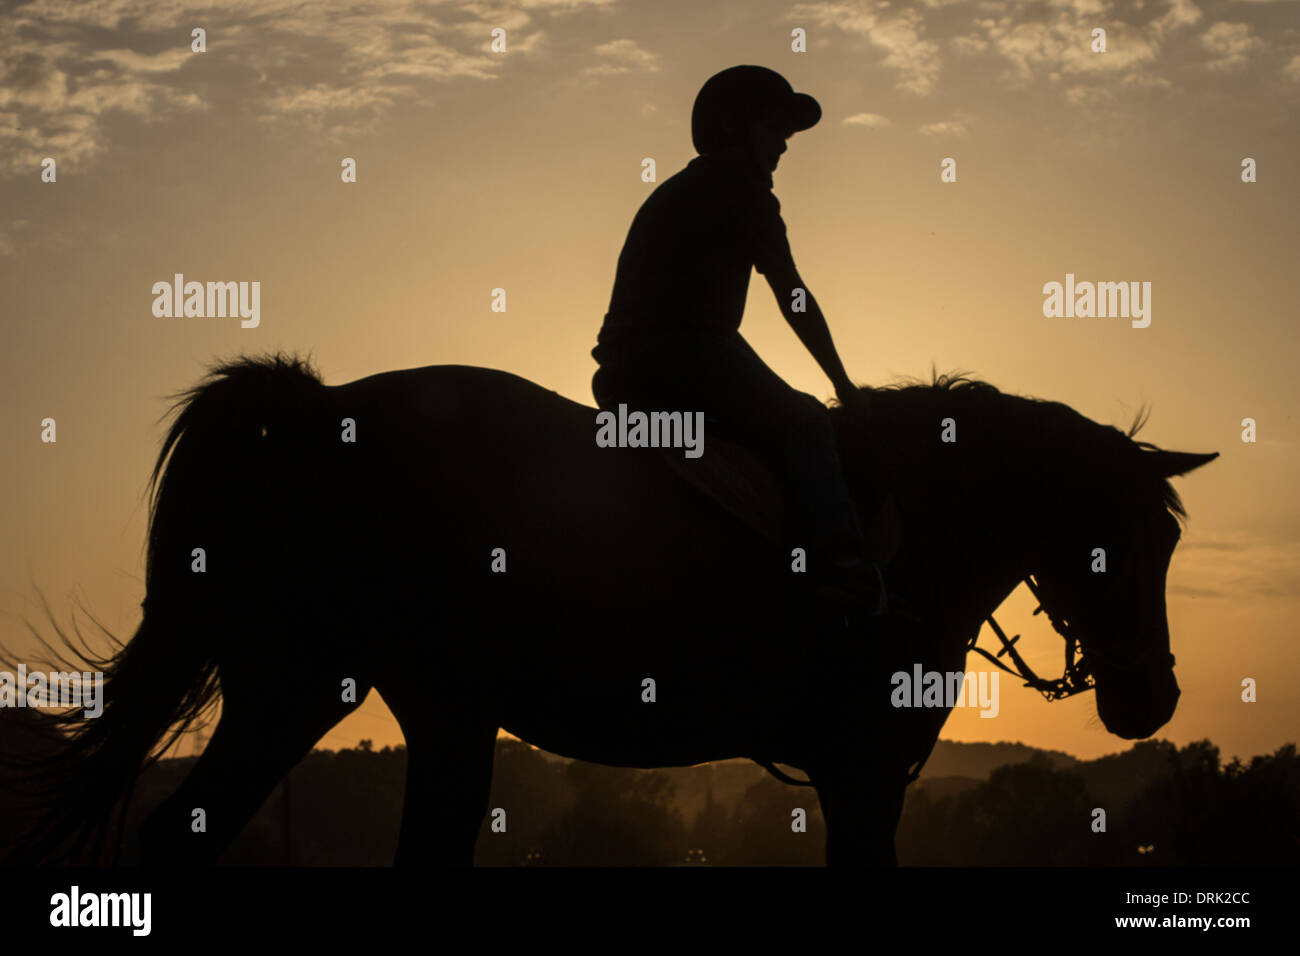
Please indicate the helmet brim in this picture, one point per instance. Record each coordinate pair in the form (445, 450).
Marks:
(801, 111)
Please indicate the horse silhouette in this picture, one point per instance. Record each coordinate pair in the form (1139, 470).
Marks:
(476, 558)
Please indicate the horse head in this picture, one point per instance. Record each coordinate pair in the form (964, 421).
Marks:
(1100, 575)
(999, 488)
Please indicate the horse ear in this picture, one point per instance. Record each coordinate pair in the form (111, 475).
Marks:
(1167, 464)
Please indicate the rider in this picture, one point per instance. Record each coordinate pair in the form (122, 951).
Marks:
(671, 338)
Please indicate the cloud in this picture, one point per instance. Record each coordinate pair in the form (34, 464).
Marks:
(969, 44)
(1049, 44)
(623, 56)
(916, 59)
(1232, 45)
(869, 120)
(1237, 565)
(1183, 591)
(1088, 95)
(898, 33)
(943, 128)
(1211, 544)
(1181, 13)
(69, 68)
(563, 6)
(129, 61)
(322, 98)
(1064, 46)
(1055, 42)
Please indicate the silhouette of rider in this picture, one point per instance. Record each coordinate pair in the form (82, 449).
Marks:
(671, 339)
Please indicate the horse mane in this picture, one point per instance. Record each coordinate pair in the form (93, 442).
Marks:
(1049, 424)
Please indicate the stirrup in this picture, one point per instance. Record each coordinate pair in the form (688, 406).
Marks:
(843, 598)
(882, 606)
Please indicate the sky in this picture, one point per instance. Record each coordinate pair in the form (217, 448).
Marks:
(522, 169)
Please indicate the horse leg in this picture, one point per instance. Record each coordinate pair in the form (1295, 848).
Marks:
(256, 743)
(861, 815)
(231, 780)
(448, 782)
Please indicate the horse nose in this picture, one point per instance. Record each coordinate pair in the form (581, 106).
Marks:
(1165, 700)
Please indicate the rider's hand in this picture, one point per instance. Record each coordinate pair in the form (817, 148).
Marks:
(852, 397)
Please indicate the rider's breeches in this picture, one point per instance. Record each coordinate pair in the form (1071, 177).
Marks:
(726, 380)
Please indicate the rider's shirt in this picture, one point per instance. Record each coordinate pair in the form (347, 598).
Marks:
(685, 265)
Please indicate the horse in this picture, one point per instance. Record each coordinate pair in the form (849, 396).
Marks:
(454, 538)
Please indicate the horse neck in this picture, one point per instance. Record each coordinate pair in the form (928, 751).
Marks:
(970, 567)
(968, 538)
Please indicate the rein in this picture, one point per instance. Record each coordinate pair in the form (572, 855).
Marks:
(1077, 676)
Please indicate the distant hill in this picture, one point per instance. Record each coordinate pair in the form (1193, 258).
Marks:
(937, 788)
(979, 760)
(951, 762)
(976, 803)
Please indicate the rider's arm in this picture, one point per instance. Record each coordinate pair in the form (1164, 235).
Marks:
(770, 250)
(809, 325)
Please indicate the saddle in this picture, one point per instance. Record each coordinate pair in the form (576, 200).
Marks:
(744, 485)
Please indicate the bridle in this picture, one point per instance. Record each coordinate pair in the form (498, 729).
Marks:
(1076, 679)
(1077, 676)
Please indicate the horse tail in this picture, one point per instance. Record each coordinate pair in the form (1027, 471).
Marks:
(221, 475)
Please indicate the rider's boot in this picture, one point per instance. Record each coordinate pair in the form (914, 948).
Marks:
(853, 586)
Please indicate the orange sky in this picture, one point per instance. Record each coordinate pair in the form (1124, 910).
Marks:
(522, 170)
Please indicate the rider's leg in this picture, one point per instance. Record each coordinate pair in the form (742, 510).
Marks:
(727, 380)
(799, 426)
